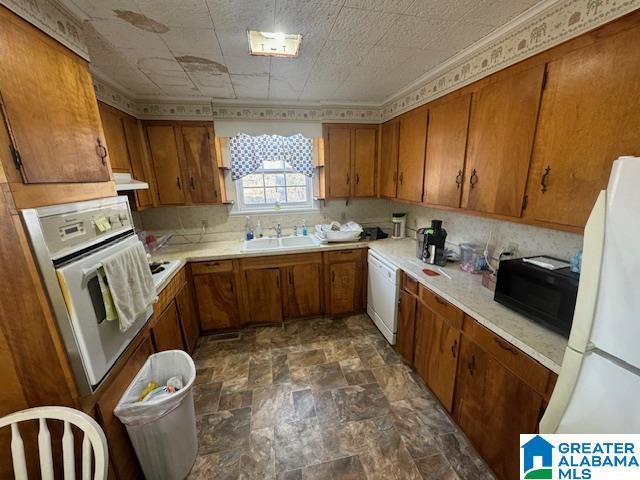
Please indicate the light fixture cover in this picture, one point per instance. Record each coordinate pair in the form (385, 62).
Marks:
(274, 44)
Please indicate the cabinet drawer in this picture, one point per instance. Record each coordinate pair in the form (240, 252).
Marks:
(410, 284)
(212, 266)
(344, 256)
(521, 364)
(440, 306)
(278, 261)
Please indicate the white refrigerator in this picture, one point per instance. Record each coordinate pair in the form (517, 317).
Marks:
(598, 390)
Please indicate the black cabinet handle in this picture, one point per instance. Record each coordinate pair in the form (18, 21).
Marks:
(178, 184)
(454, 348)
(101, 150)
(192, 184)
(459, 179)
(505, 347)
(401, 177)
(333, 277)
(543, 180)
(471, 365)
(347, 179)
(357, 179)
(474, 178)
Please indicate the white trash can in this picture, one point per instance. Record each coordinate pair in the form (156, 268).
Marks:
(163, 432)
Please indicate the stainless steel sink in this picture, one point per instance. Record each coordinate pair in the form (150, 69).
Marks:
(283, 243)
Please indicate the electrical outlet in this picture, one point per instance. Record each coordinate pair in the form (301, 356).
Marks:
(512, 248)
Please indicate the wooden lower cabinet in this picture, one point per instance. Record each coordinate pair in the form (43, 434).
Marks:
(188, 318)
(302, 290)
(406, 326)
(344, 287)
(264, 295)
(166, 331)
(217, 300)
(436, 354)
(493, 407)
(121, 454)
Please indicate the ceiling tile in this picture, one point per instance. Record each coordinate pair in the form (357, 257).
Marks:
(415, 32)
(391, 6)
(496, 12)
(232, 16)
(196, 42)
(339, 52)
(248, 65)
(281, 89)
(233, 44)
(365, 26)
(461, 35)
(444, 9)
(185, 13)
(307, 17)
(388, 57)
(251, 86)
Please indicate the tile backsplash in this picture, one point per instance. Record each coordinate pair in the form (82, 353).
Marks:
(186, 222)
(463, 228)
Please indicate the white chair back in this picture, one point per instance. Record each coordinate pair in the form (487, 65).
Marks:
(93, 441)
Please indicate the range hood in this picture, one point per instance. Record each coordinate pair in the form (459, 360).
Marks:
(125, 182)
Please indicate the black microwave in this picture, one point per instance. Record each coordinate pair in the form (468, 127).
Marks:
(545, 296)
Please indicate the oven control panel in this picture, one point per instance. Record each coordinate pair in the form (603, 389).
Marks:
(67, 232)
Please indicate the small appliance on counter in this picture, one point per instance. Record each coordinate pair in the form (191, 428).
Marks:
(431, 244)
(399, 221)
(373, 233)
(547, 296)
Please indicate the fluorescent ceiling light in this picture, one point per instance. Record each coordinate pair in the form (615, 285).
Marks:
(274, 44)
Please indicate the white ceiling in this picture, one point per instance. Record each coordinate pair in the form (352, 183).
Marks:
(359, 51)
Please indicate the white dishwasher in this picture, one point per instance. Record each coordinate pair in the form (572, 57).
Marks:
(382, 295)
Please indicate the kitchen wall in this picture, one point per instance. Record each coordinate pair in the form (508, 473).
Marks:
(186, 222)
(463, 228)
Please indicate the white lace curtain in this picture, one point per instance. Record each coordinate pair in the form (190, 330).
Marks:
(248, 152)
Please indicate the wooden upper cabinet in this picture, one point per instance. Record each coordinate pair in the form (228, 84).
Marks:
(446, 148)
(114, 133)
(587, 120)
(365, 146)
(264, 295)
(501, 131)
(350, 160)
(413, 139)
(140, 168)
(50, 107)
(166, 164)
(389, 143)
(202, 171)
(338, 161)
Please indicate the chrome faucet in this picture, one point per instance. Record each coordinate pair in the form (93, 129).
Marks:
(278, 229)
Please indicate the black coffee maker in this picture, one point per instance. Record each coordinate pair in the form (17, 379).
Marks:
(431, 241)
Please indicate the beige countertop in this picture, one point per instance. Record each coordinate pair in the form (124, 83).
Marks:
(464, 290)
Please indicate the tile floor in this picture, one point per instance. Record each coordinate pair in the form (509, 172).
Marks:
(320, 399)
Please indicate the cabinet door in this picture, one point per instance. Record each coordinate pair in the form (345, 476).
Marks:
(446, 148)
(50, 106)
(413, 139)
(436, 358)
(138, 157)
(217, 301)
(302, 290)
(166, 333)
(166, 164)
(501, 131)
(115, 137)
(345, 287)
(121, 454)
(188, 319)
(390, 133)
(493, 407)
(200, 163)
(365, 141)
(338, 161)
(586, 121)
(406, 326)
(264, 296)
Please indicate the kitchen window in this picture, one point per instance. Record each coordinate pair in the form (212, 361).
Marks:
(272, 172)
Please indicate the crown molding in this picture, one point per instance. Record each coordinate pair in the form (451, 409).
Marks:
(54, 20)
(547, 24)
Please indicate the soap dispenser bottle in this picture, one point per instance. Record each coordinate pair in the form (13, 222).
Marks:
(305, 232)
(248, 228)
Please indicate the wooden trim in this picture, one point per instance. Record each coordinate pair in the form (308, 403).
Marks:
(40, 195)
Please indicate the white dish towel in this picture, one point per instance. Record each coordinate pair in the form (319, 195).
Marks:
(131, 284)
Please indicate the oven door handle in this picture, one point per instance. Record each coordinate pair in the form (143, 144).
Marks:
(88, 272)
